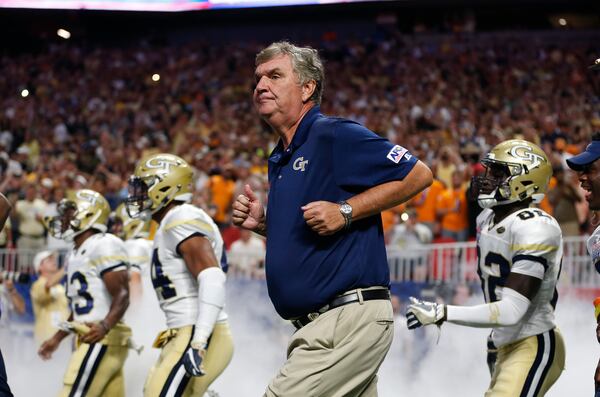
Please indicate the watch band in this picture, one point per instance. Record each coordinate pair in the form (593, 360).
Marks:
(347, 216)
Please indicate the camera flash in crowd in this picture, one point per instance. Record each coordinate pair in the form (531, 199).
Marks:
(65, 34)
(562, 22)
(25, 93)
(155, 77)
(404, 216)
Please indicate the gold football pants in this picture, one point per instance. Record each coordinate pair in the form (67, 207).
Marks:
(96, 369)
(168, 376)
(529, 367)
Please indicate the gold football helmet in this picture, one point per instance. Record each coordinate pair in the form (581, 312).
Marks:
(158, 179)
(515, 170)
(79, 211)
(131, 228)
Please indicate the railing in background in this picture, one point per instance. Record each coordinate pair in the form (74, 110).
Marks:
(456, 263)
(452, 263)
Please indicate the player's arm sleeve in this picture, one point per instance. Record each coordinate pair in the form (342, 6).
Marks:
(211, 300)
(362, 159)
(505, 312)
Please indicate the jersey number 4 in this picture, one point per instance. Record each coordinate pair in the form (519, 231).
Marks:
(161, 282)
(497, 271)
(83, 293)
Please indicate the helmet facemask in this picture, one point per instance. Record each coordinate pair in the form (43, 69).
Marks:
(493, 188)
(65, 225)
(139, 203)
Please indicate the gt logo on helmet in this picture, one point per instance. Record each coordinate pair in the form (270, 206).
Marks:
(162, 164)
(526, 153)
(88, 196)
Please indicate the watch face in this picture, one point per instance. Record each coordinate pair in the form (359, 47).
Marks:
(346, 209)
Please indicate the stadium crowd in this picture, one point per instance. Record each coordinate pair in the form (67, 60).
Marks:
(90, 113)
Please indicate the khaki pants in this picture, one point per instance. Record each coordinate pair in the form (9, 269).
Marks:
(528, 367)
(338, 354)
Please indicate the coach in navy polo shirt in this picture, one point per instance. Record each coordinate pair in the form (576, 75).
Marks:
(326, 265)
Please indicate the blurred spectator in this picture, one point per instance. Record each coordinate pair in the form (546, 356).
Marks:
(11, 300)
(425, 205)
(452, 209)
(48, 296)
(409, 234)
(247, 254)
(564, 198)
(222, 186)
(439, 96)
(29, 214)
(447, 165)
(406, 244)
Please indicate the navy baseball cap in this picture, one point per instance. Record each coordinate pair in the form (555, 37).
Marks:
(583, 159)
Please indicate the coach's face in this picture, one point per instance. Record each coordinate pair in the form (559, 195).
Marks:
(589, 178)
(278, 97)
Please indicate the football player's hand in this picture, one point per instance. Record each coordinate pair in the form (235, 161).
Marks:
(48, 347)
(248, 212)
(323, 217)
(193, 361)
(420, 313)
(96, 333)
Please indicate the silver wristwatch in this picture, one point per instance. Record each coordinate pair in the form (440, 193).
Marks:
(346, 211)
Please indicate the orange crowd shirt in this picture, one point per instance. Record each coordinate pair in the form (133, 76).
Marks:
(454, 221)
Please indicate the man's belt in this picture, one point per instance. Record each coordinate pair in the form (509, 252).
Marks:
(358, 296)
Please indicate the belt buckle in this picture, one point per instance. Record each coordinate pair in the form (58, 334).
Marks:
(313, 316)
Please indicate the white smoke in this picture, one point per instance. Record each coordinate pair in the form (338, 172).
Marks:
(415, 365)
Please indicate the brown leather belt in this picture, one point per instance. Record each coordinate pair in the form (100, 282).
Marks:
(367, 295)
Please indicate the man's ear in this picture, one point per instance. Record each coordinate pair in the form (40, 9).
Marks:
(308, 89)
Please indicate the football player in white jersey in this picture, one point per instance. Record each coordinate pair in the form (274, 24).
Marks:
(135, 233)
(519, 250)
(587, 166)
(98, 293)
(187, 275)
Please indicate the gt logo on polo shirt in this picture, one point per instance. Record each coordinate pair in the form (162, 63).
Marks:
(300, 164)
(397, 152)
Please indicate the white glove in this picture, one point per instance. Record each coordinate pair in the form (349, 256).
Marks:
(420, 313)
(193, 361)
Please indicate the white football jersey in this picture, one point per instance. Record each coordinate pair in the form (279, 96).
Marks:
(529, 242)
(139, 251)
(593, 247)
(175, 286)
(88, 297)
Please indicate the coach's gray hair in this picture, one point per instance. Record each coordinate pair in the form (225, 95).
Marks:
(306, 63)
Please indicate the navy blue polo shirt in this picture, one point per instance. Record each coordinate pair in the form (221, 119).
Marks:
(329, 159)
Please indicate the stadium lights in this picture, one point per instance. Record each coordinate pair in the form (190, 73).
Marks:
(25, 93)
(562, 22)
(65, 34)
(155, 77)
